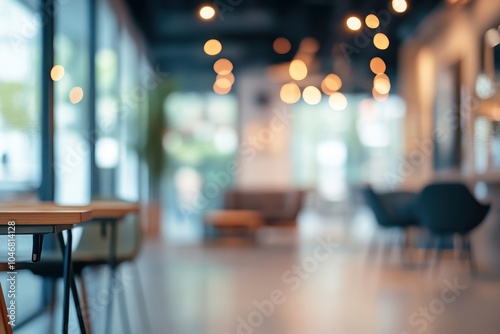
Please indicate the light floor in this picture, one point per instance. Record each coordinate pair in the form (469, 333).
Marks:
(215, 288)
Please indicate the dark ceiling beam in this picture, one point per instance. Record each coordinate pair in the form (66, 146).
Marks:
(229, 38)
(242, 58)
(183, 23)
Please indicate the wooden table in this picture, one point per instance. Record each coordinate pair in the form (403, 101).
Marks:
(38, 220)
(228, 219)
(35, 218)
(98, 209)
(108, 213)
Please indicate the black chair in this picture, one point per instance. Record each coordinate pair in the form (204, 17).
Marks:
(448, 209)
(392, 211)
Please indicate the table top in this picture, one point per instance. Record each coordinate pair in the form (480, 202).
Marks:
(37, 215)
(99, 209)
(112, 209)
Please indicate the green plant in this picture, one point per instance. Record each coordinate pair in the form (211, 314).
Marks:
(151, 149)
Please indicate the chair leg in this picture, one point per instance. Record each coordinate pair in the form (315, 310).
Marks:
(457, 247)
(372, 247)
(85, 305)
(406, 246)
(388, 244)
(439, 252)
(429, 246)
(470, 255)
(139, 292)
(463, 249)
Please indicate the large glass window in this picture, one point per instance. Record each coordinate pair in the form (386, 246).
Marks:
(72, 140)
(131, 92)
(19, 95)
(334, 149)
(107, 97)
(201, 141)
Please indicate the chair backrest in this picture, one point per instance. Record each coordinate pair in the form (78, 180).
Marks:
(449, 208)
(376, 205)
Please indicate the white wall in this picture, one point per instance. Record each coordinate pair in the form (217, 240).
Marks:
(265, 159)
(451, 34)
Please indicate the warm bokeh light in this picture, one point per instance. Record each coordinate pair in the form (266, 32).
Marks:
(399, 6)
(212, 47)
(331, 83)
(382, 84)
(57, 72)
(223, 66)
(282, 45)
(290, 93)
(372, 21)
(311, 95)
(337, 101)
(207, 12)
(309, 45)
(229, 77)
(325, 88)
(353, 23)
(381, 41)
(76, 95)
(492, 37)
(377, 65)
(223, 83)
(298, 69)
(379, 97)
(221, 90)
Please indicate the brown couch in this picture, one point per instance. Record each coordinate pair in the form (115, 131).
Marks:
(276, 207)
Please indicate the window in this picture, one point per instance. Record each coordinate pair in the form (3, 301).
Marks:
(107, 98)
(362, 143)
(71, 74)
(19, 95)
(128, 134)
(201, 141)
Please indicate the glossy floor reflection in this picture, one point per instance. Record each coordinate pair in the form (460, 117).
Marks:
(228, 287)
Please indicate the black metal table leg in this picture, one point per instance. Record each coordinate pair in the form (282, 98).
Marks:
(112, 267)
(67, 277)
(74, 292)
(76, 299)
(37, 247)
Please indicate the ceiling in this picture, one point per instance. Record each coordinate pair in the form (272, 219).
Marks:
(175, 35)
